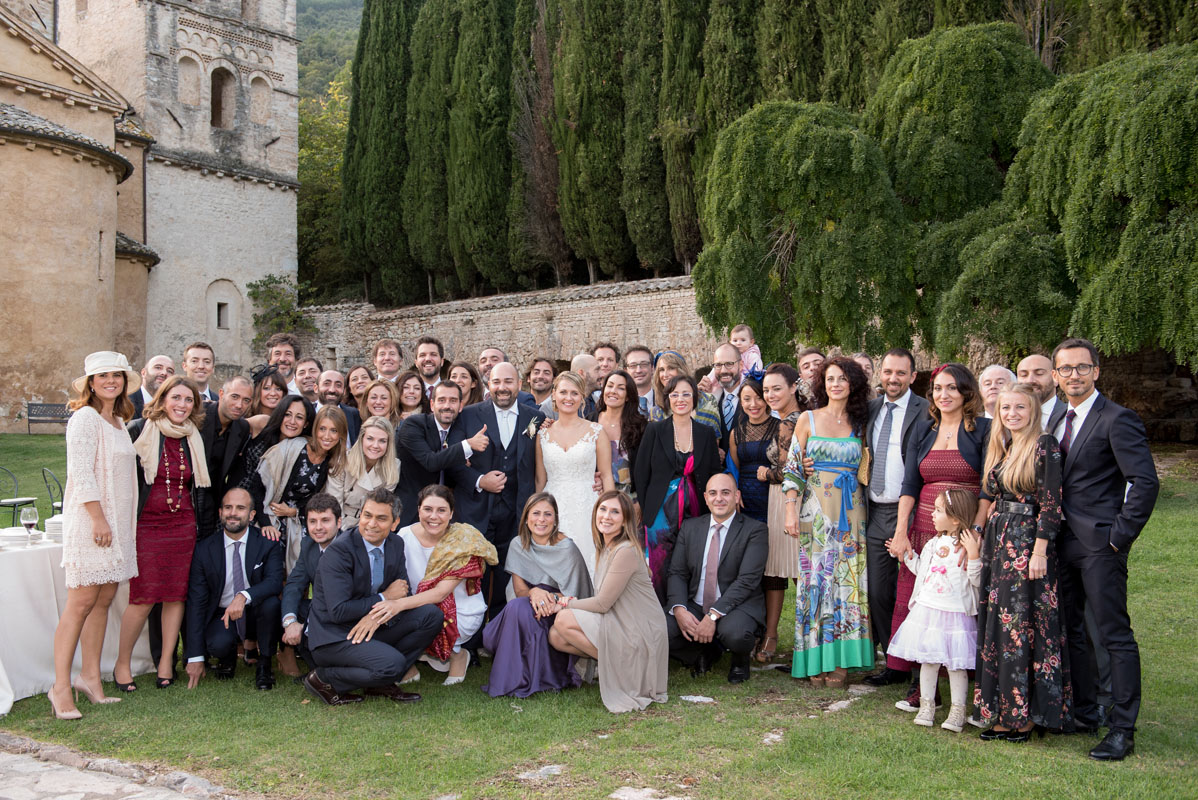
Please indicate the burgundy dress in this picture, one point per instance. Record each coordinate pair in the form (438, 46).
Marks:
(166, 537)
(940, 470)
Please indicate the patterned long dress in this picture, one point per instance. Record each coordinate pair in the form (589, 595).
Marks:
(831, 610)
(940, 470)
(1023, 664)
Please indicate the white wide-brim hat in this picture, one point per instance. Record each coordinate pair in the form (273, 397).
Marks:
(107, 361)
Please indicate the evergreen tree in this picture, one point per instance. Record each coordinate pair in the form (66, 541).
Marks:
(425, 196)
(843, 26)
(1108, 29)
(376, 150)
(479, 169)
(729, 84)
(684, 25)
(894, 22)
(646, 207)
(808, 240)
(789, 54)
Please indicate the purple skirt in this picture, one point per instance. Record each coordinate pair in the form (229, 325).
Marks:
(932, 636)
(523, 663)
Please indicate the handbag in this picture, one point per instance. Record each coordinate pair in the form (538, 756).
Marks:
(864, 467)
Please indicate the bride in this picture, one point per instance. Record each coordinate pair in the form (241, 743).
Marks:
(568, 454)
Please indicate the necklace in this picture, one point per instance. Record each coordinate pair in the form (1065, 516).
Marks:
(174, 504)
(679, 445)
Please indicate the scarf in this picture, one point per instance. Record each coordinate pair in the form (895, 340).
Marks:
(558, 565)
(275, 470)
(149, 443)
(463, 553)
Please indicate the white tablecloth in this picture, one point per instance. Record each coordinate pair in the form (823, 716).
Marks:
(33, 593)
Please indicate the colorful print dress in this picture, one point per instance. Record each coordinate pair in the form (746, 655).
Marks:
(1023, 664)
(831, 609)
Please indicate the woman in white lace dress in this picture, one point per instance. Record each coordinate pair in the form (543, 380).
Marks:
(569, 452)
(99, 527)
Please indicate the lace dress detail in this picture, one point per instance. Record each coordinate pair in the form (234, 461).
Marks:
(570, 478)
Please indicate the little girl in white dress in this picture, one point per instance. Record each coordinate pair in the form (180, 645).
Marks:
(942, 628)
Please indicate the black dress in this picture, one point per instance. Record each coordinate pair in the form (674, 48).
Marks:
(1022, 665)
(306, 479)
(752, 444)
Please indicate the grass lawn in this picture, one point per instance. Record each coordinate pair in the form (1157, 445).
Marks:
(460, 741)
(26, 455)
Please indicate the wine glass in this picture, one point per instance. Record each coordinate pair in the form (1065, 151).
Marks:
(29, 520)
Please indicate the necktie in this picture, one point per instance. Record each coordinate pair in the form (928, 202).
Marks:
(1067, 437)
(505, 428)
(441, 479)
(376, 570)
(710, 579)
(238, 586)
(729, 409)
(877, 475)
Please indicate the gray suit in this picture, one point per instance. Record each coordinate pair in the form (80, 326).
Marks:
(881, 568)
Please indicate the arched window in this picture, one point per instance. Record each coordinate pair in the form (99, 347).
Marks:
(224, 98)
(260, 100)
(189, 81)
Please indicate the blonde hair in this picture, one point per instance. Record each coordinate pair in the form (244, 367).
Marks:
(336, 454)
(387, 467)
(627, 528)
(392, 391)
(572, 378)
(1015, 450)
(659, 388)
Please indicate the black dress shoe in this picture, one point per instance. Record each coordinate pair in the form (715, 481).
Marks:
(990, 734)
(265, 677)
(887, 677)
(1116, 746)
(738, 671)
(393, 692)
(702, 665)
(224, 668)
(1019, 737)
(327, 693)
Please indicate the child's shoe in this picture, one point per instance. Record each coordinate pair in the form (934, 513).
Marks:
(927, 712)
(956, 719)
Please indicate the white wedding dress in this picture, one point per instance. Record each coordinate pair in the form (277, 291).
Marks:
(570, 478)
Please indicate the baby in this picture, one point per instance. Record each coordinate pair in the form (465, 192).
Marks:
(750, 354)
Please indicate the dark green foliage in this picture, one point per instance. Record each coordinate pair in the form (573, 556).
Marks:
(947, 112)
(729, 85)
(479, 168)
(684, 24)
(894, 22)
(328, 33)
(966, 12)
(808, 242)
(646, 207)
(425, 193)
(789, 53)
(843, 26)
(376, 152)
(276, 308)
(1109, 28)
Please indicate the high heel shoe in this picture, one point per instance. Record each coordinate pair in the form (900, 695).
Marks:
(766, 655)
(1019, 737)
(96, 698)
(990, 734)
(61, 714)
(163, 683)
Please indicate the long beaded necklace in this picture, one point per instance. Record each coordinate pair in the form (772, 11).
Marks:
(174, 504)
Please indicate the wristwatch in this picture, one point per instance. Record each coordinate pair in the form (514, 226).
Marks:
(713, 616)
(978, 528)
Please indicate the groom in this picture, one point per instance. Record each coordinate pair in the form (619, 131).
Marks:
(502, 475)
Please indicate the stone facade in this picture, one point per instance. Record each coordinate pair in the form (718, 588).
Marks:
(37, 14)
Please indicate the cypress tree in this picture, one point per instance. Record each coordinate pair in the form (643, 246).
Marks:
(843, 26)
(894, 22)
(728, 87)
(425, 197)
(684, 25)
(479, 169)
(1111, 28)
(646, 207)
(789, 54)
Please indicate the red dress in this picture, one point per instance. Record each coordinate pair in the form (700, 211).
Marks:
(166, 538)
(940, 470)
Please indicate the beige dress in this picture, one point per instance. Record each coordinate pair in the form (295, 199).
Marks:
(101, 466)
(351, 494)
(625, 622)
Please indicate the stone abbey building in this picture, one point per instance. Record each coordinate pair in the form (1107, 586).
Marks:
(148, 171)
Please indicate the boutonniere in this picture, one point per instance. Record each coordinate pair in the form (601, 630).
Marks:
(531, 430)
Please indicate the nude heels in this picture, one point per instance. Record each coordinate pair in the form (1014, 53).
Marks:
(96, 698)
(76, 714)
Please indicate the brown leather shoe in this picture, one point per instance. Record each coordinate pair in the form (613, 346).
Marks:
(287, 662)
(327, 693)
(393, 692)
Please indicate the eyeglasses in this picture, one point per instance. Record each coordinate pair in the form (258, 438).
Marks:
(1081, 369)
(681, 396)
(725, 364)
(637, 365)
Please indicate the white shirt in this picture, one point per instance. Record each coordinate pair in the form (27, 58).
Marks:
(1081, 411)
(465, 444)
(892, 486)
(1046, 413)
(291, 387)
(507, 418)
(146, 397)
(698, 598)
(226, 595)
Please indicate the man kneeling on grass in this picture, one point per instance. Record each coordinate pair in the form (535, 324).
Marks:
(354, 644)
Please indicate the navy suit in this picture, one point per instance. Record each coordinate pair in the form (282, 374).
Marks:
(353, 422)
(422, 460)
(1102, 518)
(206, 632)
(526, 398)
(341, 596)
(295, 591)
(497, 515)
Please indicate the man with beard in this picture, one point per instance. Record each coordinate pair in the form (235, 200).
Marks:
(503, 474)
(224, 432)
(156, 370)
(324, 523)
(539, 378)
(723, 382)
(1036, 370)
(430, 356)
(330, 391)
(307, 374)
(233, 595)
(282, 350)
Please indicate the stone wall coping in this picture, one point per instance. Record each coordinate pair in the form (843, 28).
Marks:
(216, 169)
(18, 122)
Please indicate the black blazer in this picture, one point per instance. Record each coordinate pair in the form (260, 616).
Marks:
(295, 590)
(1059, 409)
(1107, 453)
(917, 412)
(474, 507)
(742, 563)
(421, 460)
(341, 592)
(139, 403)
(657, 461)
(207, 515)
(353, 423)
(264, 579)
(143, 489)
(972, 445)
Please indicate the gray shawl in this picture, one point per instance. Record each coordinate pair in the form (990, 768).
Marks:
(560, 565)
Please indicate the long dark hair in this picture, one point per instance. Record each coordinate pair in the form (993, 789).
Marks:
(632, 424)
(742, 420)
(274, 423)
(263, 375)
(476, 394)
(858, 404)
(971, 395)
(403, 378)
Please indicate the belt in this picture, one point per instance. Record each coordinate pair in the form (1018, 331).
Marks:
(1011, 507)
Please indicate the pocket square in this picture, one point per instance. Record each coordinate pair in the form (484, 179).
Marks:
(258, 564)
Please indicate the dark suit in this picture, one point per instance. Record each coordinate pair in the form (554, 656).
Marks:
(497, 514)
(139, 403)
(526, 398)
(725, 428)
(206, 632)
(341, 596)
(422, 460)
(353, 422)
(1109, 451)
(741, 602)
(295, 590)
(881, 567)
(235, 437)
(657, 463)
